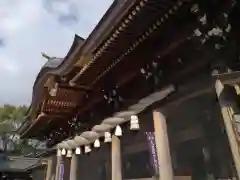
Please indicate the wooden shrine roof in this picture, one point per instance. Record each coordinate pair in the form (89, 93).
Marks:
(18, 164)
(92, 65)
(132, 36)
(61, 66)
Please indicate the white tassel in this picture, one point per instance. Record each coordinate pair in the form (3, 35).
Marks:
(78, 151)
(134, 123)
(87, 148)
(118, 131)
(63, 152)
(59, 153)
(96, 143)
(107, 137)
(69, 153)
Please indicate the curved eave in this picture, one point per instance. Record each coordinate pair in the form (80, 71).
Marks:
(80, 47)
(19, 164)
(99, 34)
(60, 68)
(108, 22)
(129, 33)
(27, 126)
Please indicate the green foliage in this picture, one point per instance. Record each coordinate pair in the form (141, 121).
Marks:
(22, 147)
(11, 118)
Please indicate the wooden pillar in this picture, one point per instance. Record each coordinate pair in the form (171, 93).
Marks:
(58, 163)
(73, 167)
(49, 169)
(116, 159)
(227, 118)
(162, 146)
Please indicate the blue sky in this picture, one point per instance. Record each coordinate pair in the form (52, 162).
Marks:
(29, 27)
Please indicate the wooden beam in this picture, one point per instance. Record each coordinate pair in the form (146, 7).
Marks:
(76, 87)
(227, 115)
(104, 29)
(229, 78)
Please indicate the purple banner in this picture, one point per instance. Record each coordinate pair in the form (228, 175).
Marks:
(152, 148)
(61, 170)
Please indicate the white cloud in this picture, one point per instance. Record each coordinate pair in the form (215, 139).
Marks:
(8, 65)
(15, 15)
(26, 29)
(80, 15)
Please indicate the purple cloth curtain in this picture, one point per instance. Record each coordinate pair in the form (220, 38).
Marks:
(153, 152)
(61, 170)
